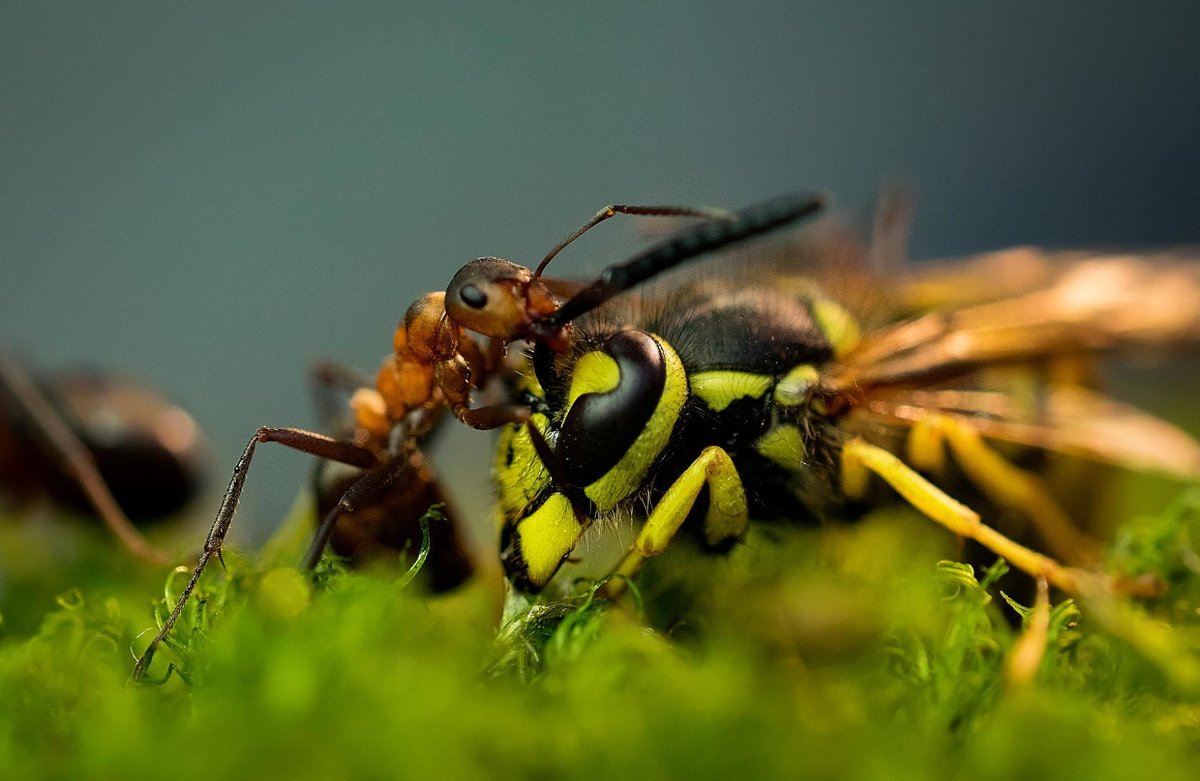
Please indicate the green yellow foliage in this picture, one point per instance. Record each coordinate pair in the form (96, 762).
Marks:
(860, 651)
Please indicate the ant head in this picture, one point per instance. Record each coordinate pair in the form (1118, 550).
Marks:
(497, 298)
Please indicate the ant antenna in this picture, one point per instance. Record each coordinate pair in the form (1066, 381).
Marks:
(706, 237)
(612, 210)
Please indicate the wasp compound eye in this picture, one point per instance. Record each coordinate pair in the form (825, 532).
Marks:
(473, 297)
(621, 387)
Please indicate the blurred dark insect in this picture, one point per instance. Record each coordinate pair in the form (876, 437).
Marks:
(98, 443)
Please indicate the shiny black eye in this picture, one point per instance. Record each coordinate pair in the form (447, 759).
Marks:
(473, 297)
(602, 427)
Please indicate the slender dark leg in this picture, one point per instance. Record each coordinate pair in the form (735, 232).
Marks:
(547, 456)
(494, 416)
(305, 441)
(74, 457)
(364, 491)
(452, 378)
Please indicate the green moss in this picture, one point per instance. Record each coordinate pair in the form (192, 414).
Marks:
(849, 652)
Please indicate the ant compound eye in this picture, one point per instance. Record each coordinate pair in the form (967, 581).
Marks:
(473, 297)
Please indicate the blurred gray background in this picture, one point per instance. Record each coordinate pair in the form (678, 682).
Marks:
(210, 196)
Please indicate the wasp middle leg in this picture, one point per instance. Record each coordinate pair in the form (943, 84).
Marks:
(1003, 481)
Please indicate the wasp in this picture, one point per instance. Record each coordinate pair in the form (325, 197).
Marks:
(718, 395)
(803, 382)
(98, 442)
(799, 383)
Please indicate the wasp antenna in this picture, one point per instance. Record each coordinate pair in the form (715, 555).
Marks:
(698, 240)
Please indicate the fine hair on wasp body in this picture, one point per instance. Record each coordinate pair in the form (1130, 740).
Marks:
(451, 343)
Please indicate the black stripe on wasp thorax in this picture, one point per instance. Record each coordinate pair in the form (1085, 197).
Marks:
(755, 328)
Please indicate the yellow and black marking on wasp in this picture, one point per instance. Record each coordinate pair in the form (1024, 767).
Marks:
(754, 391)
(764, 386)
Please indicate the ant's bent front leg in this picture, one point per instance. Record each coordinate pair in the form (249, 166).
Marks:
(305, 441)
(454, 378)
(363, 492)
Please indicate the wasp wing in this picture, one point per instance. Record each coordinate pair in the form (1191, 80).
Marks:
(960, 282)
(1066, 419)
(1083, 304)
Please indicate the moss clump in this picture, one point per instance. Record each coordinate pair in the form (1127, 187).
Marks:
(846, 652)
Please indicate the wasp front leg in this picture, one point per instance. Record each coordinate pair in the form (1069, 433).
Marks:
(726, 519)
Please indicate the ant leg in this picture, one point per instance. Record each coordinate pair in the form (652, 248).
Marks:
(372, 484)
(297, 439)
(453, 377)
(75, 458)
(494, 416)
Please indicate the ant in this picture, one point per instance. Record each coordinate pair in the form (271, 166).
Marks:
(437, 362)
(101, 442)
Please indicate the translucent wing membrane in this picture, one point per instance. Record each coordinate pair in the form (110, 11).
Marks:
(1070, 420)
